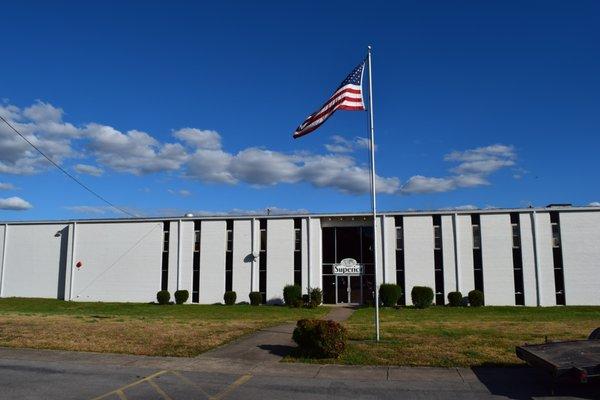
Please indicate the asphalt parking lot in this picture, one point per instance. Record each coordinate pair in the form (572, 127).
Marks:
(98, 377)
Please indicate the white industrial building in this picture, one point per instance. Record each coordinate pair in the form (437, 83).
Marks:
(533, 256)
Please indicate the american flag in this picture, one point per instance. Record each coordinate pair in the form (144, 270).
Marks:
(348, 96)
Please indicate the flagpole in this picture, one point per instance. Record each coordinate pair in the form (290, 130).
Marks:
(373, 191)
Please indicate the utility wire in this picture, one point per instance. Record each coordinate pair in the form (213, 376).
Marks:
(83, 185)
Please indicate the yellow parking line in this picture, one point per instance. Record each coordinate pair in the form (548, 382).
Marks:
(121, 394)
(239, 382)
(122, 388)
(190, 382)
(158, 389)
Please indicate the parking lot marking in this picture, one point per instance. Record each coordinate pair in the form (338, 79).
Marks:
(238, 382)
(159, 390)
(122, 388)
(121, 395)
(191, 383)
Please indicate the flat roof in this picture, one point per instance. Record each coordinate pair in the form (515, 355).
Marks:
(312, 215)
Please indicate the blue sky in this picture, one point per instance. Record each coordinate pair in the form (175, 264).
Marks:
(170, 108)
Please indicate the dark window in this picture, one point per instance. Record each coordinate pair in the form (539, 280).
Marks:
(400, 257)
(298, 252)
(262, 261)
(477, 258)
(366, 256)
(229, 256)
(559, 279)
(438, 260)
(517, 259)
(196, 264)
(164, 280)
(328, 245)
(348, 244)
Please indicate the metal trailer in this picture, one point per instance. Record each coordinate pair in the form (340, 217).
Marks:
(579, 359)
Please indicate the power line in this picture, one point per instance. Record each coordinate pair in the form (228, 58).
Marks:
(83, 185)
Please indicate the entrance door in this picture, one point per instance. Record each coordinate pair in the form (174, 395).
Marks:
(342, 289)
(355, 290)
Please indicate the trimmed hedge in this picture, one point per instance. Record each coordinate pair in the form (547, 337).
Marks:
(389, 294)
(292, 295)
(318, 338)
(181, 296)
(163, 297)
(422, 296)
(455, 299)
(229, 297)
(255, 298)
(476, 298)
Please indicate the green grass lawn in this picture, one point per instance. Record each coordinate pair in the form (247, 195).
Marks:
(173, 330)
(445, 336)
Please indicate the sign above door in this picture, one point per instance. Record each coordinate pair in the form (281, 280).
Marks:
(348, 266)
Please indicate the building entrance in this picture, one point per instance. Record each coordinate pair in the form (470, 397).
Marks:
(348, 286)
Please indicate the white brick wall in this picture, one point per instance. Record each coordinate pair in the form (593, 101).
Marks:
(304, 247)
(280, 257)
(546, 267)
(187, 257)
(528, 256)
(390, 250)
(121, 261)
(212, 261)
(418, 253)
(448, 255)
(465, 254)
(496, 251)
(316, 254)
(37, 260)
(242, 264)
(580, 234)
(173, 257)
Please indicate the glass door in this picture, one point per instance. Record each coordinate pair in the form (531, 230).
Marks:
(342, 289)
(355, 289)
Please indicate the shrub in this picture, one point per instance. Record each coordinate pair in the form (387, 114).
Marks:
(316, 297)
(181, 296)
(389, 294)
(476, 298)
(319, 338)
(163, 297)
(229, 298)
(421, 296)
(292, 295)
(455, 299)
(255, 298)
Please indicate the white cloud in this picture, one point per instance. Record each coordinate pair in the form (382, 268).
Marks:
(134, 152)
(181, 192)
(594, 204)
(14, 204)
(465, 207)
(7, 186)
(88, 169)
(202, 139)
(342, 145)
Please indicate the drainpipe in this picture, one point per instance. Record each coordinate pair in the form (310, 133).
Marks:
(72, 262)
(456, 250)
(3, 260)
(536, 258)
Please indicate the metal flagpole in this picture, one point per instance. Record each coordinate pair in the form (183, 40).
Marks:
(373, 191)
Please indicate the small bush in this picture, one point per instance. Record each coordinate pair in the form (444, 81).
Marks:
(292, 295)
(255, 298)
(455, 299)
(316, 297)
(181, 296)
(163, 297)
(319, 338)
(389, 294)
(476, 298)
(421, 296)
(229, 297)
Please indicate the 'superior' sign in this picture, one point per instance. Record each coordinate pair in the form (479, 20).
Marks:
(348, 266)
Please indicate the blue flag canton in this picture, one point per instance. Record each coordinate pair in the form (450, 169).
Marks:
(355, 76)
